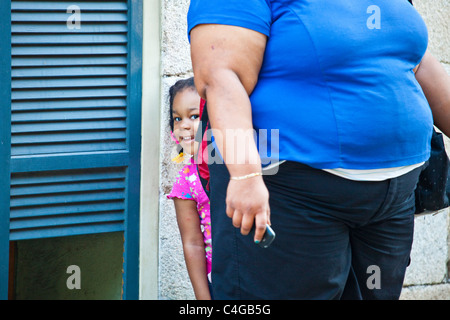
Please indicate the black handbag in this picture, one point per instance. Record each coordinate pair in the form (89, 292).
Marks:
(433, 189)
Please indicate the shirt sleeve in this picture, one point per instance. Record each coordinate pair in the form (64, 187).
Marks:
(181, 188)
(251, 14)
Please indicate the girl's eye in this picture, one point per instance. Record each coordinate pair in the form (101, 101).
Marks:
(195, 116)
(176, 119)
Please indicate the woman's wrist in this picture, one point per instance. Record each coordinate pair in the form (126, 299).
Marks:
(247, 176)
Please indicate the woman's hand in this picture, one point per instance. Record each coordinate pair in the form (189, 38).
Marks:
(248, 201)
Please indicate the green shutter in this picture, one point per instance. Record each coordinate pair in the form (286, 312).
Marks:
(67, 202)
(75, 120)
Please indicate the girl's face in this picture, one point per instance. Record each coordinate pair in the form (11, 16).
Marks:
(186, 117)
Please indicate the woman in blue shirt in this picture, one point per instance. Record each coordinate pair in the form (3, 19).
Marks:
(344, 86)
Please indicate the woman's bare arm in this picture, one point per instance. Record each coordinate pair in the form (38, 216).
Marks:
(435, 83)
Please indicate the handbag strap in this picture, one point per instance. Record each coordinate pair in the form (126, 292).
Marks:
(202, 163)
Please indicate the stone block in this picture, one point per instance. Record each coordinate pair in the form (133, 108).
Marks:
(435, 292)
(435, 14)
(175, 48)
(429, 253)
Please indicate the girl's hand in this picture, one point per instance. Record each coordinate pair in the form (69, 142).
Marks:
(247, 203)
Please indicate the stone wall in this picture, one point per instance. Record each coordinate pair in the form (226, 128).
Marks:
(427, 276)
(175, 64)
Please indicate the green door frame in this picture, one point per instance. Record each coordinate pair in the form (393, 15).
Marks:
(131, 252)
(5, 142)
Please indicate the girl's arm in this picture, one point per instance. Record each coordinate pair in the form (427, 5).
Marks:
(226, 62)
(193, 246)
(435, 83)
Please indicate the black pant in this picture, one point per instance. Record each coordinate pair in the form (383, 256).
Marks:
(335, 238)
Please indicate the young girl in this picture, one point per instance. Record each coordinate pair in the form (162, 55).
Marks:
(191, 202)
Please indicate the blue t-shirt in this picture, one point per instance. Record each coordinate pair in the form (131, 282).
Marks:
(337, 81)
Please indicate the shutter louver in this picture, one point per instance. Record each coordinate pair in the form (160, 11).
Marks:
(61, 203)
(69, 102)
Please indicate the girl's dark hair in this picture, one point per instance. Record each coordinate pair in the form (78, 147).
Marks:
(179, 86)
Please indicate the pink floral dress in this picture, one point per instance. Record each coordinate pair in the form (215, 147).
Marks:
(188, 186)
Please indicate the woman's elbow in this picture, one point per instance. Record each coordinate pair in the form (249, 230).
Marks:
(222, 80)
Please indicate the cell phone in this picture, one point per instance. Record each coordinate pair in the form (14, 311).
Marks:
(268, 237)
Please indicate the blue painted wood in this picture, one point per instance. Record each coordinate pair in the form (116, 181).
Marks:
(60, 28)
(69, 50)
(85, 82)
(68, 93)
(5, 126)
(43, 149)
(111, 219)
(83, 136)
(62, 6)
(76, 209)
(82, 199)
(72, 126)
(67, 208)
(18, 16)
(110, 60)
(93, 186)
(61, 39)
(74, 123)
(65, 231)
(131, 252)
(78, 176)
(69, 71)
(64, 199)
(47, 162)
(64, 94)
(63, 115)
(97, 103)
